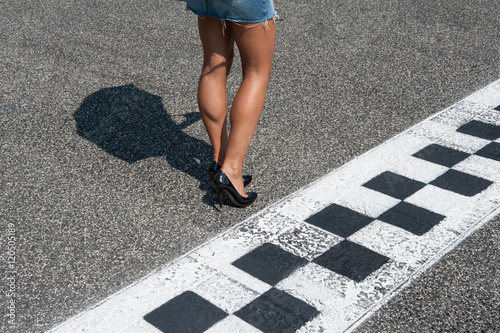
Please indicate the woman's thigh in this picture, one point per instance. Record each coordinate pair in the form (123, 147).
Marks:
(217, 46)
(256, 42)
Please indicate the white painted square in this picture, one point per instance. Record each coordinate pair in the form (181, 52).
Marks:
(225, 293)
(301, 287)
(481, 167)
(487, 199)
(368, 202)
(466, 217)
(180, 275)
(232, 324)
(262, 228)
(301, 206)
(460, 113)
(431, 130)
(490, 117)
(317, 285)
(488, 96)
(463, 142)
(418, 250)
(382, 282)
(437, 200)
(307, 241)
(490, 197)
(383, 238)
(419, 169)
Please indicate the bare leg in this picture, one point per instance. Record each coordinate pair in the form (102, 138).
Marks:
(218, 52)
(256, 46)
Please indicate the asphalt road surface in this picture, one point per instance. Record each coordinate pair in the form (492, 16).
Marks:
(104, 156)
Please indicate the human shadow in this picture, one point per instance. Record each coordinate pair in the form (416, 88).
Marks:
(132, 124)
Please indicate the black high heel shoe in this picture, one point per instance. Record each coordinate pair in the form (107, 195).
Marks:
(214, 167)
(223, 184)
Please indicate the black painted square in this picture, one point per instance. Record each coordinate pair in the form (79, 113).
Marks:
(492, 151)
(412, 218)
(186, 313)
(481, 130)
(351, 260)
(269, 263)
(339, 220)
(461, 183)
(441, 155)
(277, 312)
(397, 186)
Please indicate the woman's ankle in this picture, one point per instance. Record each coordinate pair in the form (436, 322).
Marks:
(231, 172)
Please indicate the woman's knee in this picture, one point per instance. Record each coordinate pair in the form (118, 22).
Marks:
(261, 73)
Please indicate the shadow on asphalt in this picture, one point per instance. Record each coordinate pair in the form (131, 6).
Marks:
(132, 124)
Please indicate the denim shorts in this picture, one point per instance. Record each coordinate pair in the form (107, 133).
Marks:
(250, 11)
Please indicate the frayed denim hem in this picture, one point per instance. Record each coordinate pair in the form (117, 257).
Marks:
(265, 23)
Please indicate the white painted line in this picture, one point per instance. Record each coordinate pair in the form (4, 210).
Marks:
(342, 302)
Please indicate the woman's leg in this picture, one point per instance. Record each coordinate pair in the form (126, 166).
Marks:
(218, 51)
(256, 45)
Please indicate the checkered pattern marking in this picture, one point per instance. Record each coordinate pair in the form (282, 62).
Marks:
(277, 311)
(324, 258)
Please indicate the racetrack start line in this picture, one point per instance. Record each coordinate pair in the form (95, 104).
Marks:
(326, 257)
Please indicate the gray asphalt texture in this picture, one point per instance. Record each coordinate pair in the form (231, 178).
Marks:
(104, 157)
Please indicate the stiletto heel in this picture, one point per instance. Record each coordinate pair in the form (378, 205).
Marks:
(218, 192)
(222, 184)
(214, 167)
